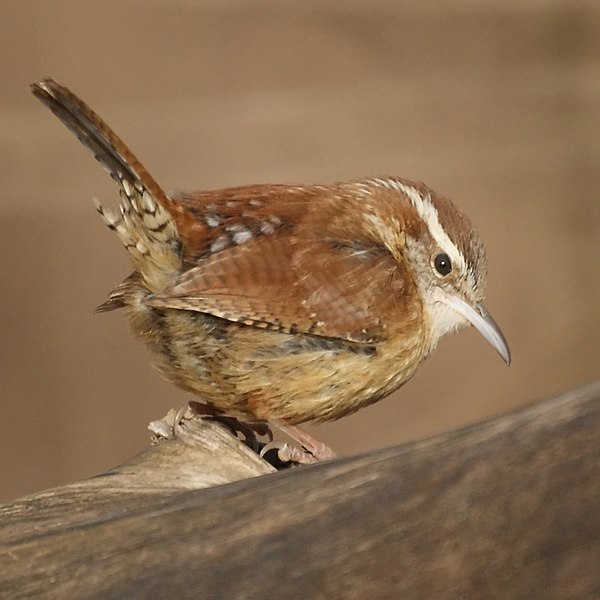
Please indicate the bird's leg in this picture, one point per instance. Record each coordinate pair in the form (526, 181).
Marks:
(313, 450)
(318, 449)
(310, 452)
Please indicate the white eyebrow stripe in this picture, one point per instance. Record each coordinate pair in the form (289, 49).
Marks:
(428, 212)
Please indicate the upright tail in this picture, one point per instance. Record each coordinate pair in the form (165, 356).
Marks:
(146, 225)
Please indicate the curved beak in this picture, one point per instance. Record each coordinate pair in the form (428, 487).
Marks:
(481, 319)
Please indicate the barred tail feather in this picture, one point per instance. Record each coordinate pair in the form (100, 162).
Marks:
(146, 224)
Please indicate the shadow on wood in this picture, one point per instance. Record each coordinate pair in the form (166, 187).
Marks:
(508, 508)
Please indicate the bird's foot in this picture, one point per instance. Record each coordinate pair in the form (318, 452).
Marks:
(286, 454)
(318, 449)
(310, 452)
(279, 454)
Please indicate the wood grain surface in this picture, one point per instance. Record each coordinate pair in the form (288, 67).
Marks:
(507, 508)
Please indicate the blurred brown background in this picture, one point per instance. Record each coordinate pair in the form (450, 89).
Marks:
(495, 104)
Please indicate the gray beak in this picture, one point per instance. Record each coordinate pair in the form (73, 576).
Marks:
(481, 319)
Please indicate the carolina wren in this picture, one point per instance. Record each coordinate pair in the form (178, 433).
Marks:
(287, 303)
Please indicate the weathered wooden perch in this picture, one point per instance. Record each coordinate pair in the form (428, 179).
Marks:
(509, 508)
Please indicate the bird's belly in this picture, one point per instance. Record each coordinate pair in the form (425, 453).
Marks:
(249, 372)
(306, 378)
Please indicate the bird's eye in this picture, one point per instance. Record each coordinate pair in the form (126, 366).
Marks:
(442, 264)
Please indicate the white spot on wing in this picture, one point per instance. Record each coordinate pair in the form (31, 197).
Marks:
(240, 232)
(267, 228)
(212, 220)
(241, 236)
(220, 243)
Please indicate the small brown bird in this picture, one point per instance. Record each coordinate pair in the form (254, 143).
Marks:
(287, 303)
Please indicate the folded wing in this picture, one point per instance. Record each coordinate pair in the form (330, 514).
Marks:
(324, 288)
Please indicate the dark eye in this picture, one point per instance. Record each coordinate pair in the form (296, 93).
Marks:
(442, 264)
